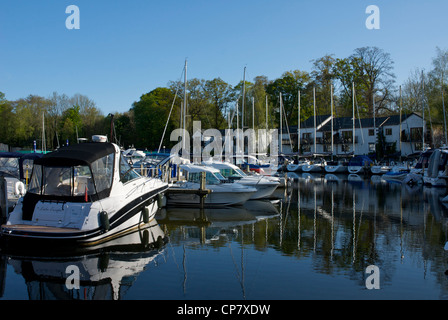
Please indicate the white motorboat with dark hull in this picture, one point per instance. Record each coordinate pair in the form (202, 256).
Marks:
(86, 194)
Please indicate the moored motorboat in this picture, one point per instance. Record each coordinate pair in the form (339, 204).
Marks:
(296, 167)
(380, 169)
(336, 167)
(436, 174)
(314, 166)
(359, 164)
(86, 194)
(265, 186)
(222, 192)
(397, 173)
(16, 169)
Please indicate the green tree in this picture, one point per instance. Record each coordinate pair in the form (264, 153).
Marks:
(7, 116)
(289, 85)
(150, 116)
(71, 124)
(220, 95)
(323, 78)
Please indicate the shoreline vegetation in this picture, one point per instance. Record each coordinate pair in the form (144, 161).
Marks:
(213, 102)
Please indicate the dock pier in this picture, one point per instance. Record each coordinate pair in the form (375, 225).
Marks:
(202, 192)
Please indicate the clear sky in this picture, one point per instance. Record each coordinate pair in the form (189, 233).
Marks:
(124, 49)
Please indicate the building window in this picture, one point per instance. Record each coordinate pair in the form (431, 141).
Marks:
(371, 147)
(416, 134)
(347, 136)
(371, 132)
(388, 131)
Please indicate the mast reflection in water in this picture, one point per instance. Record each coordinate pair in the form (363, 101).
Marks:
(314, 240)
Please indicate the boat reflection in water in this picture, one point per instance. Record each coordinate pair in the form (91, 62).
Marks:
(106, 272)
(217, 221)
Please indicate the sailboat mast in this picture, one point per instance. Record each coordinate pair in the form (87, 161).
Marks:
(353, 132)
(44, 143)
(184, 108)
(253, 113)
(281, 123)
(266, 113)
(332, 142)
(314, 103)
(401, 108)
(444, 115)
(298, 126)
(244, 97)
(423, 113)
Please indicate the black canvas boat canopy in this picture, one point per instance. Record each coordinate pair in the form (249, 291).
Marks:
(78, 154)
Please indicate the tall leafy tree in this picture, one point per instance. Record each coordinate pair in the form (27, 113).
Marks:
(378, 78)
(150, 116)
(289, 85)
(220, 95)
(323, 78)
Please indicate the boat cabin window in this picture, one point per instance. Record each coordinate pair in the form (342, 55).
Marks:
(210, 178)
(126, 172)
(232, 173)
(62, 181)
(102, 170)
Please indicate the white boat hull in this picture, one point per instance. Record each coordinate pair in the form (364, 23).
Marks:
(214, 199)
(355, 169)
(335, 168)
(380, 169)
(312, 168)
(293, 167)
(81, 222)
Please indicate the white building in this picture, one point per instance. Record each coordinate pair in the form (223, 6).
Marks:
(318, 139)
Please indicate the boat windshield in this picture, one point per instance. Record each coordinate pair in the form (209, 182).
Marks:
(232, 173)
(210, 178)
(127, 173)
(72, 181)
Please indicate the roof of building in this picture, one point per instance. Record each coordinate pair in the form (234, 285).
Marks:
(323, 123)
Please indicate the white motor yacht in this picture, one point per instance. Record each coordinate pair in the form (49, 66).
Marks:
(265, 186)
(85, 193)
(222, 193)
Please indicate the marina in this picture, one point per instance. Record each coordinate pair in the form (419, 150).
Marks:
(249, 161)
(313, 240)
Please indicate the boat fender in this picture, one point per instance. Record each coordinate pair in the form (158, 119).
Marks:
(103, 262)
(104, 221)
(145, 238)
(160, 200)
(19, 188)
(159, 242)
(145, 215)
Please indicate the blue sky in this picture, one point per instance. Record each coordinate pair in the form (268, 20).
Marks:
(124, 49)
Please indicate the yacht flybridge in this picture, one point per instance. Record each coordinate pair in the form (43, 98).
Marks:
(85, 193)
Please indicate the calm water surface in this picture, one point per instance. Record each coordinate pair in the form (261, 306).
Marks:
(314, 241)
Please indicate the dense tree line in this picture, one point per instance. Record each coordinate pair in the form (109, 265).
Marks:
(368, 73)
